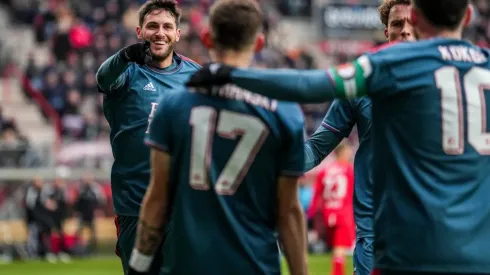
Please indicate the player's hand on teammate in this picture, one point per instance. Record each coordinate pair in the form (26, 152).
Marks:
(139, 53)
(212, 74)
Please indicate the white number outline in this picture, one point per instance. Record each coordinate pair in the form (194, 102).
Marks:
(230, 125)
(335, 190)
(475, 83)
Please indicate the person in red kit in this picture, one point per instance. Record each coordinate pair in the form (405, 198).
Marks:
(333, 193)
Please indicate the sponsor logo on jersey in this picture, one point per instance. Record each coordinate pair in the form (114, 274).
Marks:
(150, 87)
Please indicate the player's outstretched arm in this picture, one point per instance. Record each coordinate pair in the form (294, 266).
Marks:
(337, 124)
(153, 214)
(112, 73)
(292, 226)
(319, 146)
(303, 86)
(313, 86)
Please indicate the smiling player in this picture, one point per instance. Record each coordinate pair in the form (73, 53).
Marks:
(225, 169)
(132, 80)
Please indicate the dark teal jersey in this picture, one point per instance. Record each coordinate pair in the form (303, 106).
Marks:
(431, 155)
(337, 125)
(431, 146)
(227, 154)
(131, 97)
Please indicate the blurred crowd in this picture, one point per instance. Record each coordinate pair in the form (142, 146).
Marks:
(49, 204)
(481, 33)
(14, 147)
(82, 34)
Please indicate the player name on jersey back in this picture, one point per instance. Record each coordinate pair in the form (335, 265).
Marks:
(236, 93)
(462, 54)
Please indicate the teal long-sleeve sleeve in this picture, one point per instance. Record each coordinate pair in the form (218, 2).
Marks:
(313, 86)
(112, 74)
(337, 125)
(319, 146)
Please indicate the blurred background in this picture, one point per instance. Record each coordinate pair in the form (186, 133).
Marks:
(53, 136)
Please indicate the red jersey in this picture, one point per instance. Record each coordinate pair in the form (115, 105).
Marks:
(333, 190)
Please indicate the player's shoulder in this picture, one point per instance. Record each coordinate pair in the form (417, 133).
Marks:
(402, 48)
(188, 63)
(178, 93)
(394, 52)
(433, 49)
(290, 114)
(173, 99)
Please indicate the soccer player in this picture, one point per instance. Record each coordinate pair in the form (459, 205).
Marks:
(430, 138)
(132, 81)
(341, 118)
(333, 190)
(225, 169)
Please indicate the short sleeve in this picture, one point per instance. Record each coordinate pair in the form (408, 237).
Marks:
(159, 136)
(292, 156)
(367, 75)
(340, 118)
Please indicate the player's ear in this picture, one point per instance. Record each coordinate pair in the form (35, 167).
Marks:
(386, 33)
(177, 37)
(138, 33)
(206, 38)
(259, 42)
(468, 16)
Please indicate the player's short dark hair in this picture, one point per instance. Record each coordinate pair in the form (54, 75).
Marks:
(443, 13)
(170, 6)
(385, 9)
(235, 23)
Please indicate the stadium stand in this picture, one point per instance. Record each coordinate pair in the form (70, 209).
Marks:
(83, 35)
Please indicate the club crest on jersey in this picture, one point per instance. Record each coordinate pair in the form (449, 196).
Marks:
(346, 71)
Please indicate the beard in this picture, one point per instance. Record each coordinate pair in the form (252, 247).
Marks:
(161, 56)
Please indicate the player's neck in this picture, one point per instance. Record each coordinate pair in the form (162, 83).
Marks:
(164, 63)
(232, 58)
(434, 33)
(444, 34)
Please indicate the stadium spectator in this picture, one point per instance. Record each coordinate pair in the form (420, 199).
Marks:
(89, 199)
(53, 197)
(38, 230)
(15, 149)
(13, 146)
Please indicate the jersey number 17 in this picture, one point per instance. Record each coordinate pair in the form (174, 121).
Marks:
(475, 82)
(230, 125)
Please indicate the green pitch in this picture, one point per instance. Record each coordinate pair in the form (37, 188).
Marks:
(319, 265)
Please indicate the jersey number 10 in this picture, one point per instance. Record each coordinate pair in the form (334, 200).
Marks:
(230, 125)
(475, 82)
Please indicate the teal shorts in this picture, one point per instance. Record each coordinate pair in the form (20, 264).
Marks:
(363, 256)
(126, 234)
